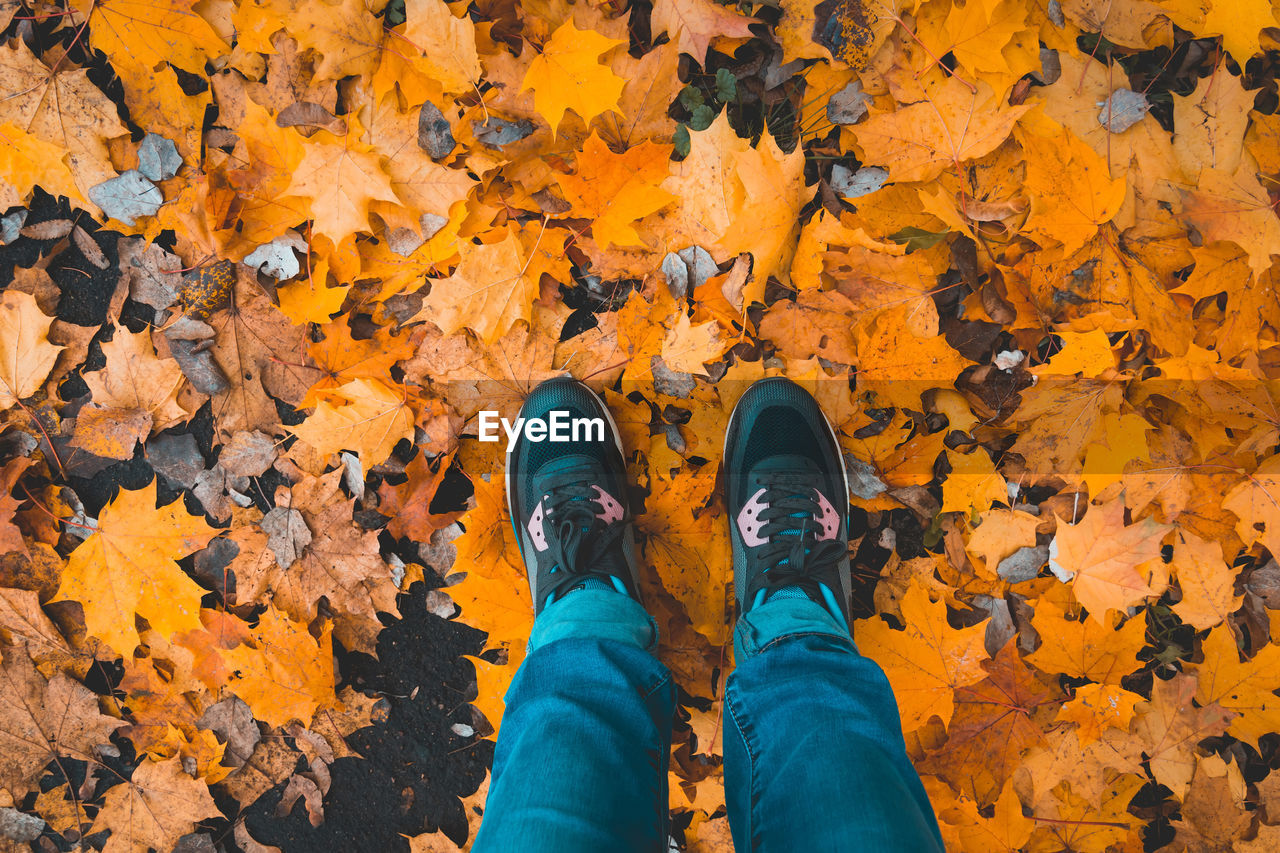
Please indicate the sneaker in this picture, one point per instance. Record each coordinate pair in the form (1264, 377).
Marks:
(568, 499)
(787, 496)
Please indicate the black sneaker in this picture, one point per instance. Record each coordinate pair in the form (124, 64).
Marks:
(568, 499)
(788, 499)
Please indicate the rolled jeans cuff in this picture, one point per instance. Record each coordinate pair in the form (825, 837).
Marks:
(783, 617)
(595, 613)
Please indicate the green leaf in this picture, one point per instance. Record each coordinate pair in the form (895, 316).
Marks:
(918, 238)
(702, 118)
(681, 141)
(726, 86)
(691, 98)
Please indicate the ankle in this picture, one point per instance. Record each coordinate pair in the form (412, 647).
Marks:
(783, 616)
(595, 612)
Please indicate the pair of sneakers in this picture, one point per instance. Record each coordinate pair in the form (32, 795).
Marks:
(785, 485)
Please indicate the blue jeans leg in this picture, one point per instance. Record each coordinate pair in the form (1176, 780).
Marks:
(813, 752)
(581, 759)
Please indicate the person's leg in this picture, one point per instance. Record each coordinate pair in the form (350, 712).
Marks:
(581, 760)
(813, 751)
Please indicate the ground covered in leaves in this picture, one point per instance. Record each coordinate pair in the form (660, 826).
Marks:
(265, 261)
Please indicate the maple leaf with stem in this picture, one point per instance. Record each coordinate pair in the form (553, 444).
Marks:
(155, 807)
(364, 415)
(995, 721)
(1111, 565)
(62, 108)
(1087, 648)
(409, 504)
(1170, 728)
(490, 291)
(286, 674)
(735, 198)
(1244, 687)
(955, 123)
(694, 24)
(42, 719)
(447, 43)
(341, 565)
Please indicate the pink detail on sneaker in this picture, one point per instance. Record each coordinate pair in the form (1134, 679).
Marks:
(829, 518)
(610, 509)
(536, 533)
(749, 523)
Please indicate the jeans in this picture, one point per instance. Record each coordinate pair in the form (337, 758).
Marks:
(814, 758)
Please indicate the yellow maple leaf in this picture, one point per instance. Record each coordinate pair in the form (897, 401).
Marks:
(1001, 533)
(1111, 565)
(688, 348)
(128, 566)
(1244, 687)
(340, 177)
(689, 549)
(447, 42)
(694, 24)
(734, 198)
(1210, 123)
(1124, 441)
(898, 367)
(1087, 354)
(976, 33)
(364, 415)
(615, 190)
(954, 123)
(568, 75)
(489, 291)
(1256, 503)
(1067, 212)
(974, 483)
(1086, 648)
(1235, 206)
(286, 674)
(155, 807)
(1097, 707)
(135, 377)
(1239, 22)
(148, 32)
(26, 162)
(346, 35)
(1206, 581)
(134, 395)
(927, 661)
(26, 356)
(63, 108)
(422, 185)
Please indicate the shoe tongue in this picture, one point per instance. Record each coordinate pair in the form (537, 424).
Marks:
(559, 469)
(787, 462)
